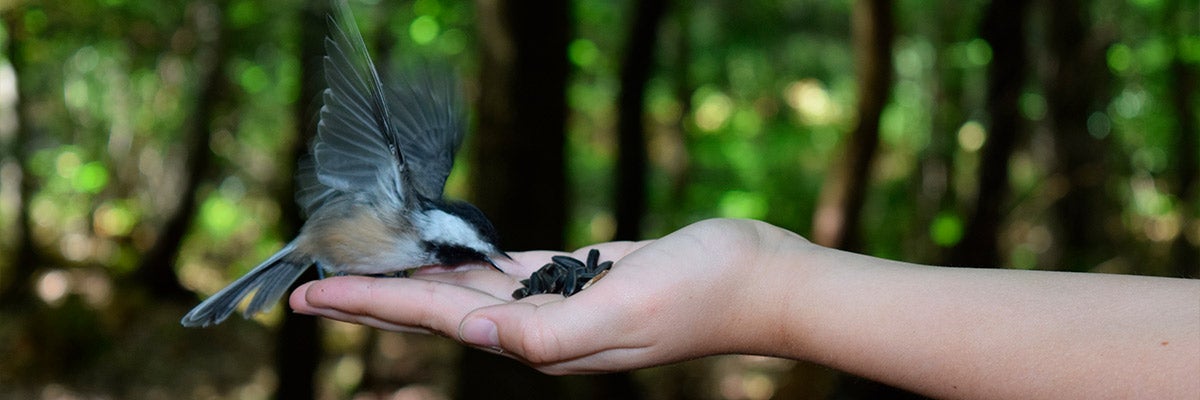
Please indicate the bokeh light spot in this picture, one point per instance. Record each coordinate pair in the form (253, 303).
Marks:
(971, 136)
(424, 29)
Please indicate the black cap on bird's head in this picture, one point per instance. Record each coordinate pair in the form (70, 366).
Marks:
(460, 233)
(474, 217)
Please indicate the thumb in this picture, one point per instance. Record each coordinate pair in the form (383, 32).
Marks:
(540, 334)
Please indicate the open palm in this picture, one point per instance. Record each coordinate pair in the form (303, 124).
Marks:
(663, 301)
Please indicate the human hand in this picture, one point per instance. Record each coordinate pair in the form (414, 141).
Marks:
(708, 288)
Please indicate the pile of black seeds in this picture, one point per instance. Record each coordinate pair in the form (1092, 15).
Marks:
(564, 275)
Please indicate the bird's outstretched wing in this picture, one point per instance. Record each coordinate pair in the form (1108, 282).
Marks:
(355, 149)
(427, 113)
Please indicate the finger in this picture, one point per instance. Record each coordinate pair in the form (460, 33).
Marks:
(415, 303)
(610, 250)
(298, 300)
(369, 321)
(492, 282)
(548, 329)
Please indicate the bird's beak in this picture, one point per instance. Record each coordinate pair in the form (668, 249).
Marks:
(493, 263)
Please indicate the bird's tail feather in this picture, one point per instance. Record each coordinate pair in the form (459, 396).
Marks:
(270, 279)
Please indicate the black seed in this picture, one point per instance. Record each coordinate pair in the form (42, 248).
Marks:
(569, 287)
(567, 262)
(537, 283)
(593, 258)
(552, 277)
(564, 275)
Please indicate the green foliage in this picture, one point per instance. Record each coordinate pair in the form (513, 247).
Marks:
(946, 229)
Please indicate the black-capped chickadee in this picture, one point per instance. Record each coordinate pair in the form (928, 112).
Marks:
(372, 187)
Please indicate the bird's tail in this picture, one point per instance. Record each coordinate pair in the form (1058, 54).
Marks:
(270, 279)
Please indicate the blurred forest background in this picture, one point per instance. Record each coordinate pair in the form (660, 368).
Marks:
(147, 151)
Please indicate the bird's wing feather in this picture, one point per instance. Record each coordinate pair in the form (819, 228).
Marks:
(427, 113)
(355, 149)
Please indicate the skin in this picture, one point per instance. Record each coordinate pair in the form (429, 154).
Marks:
(752, 288)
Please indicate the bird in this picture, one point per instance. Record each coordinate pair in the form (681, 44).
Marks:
(372, 184)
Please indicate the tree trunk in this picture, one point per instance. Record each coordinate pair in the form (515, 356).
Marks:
(839, 209)
(298, 342)
(630, 190)
(156, 269)
(518, 177)
(1185, 256)
(1078, 79)
(16, 286)
(935, 184)
(1004, 29)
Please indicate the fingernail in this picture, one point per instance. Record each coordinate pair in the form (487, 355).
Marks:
(480, 332)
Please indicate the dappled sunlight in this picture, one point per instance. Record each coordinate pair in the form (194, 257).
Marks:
(713, 109)
(601, 228)
(346, 372)
(1155, 213)
(94, 287)
(8, 101)
(10, 198)
(52, 286)
(76, 246)
(1029, 242)
(261, 385)
(114, 219)
(811, 102)
(749, 377)
(202, 277)
(971, 136)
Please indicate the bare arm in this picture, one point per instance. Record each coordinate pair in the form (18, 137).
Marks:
(986, 333)
(733, 286)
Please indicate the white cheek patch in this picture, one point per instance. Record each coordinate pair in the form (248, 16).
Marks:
(441, 227)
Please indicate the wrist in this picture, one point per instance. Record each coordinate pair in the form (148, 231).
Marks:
(806, 293)
(778, 277)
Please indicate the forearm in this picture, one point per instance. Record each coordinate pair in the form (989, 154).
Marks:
(986, 333)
